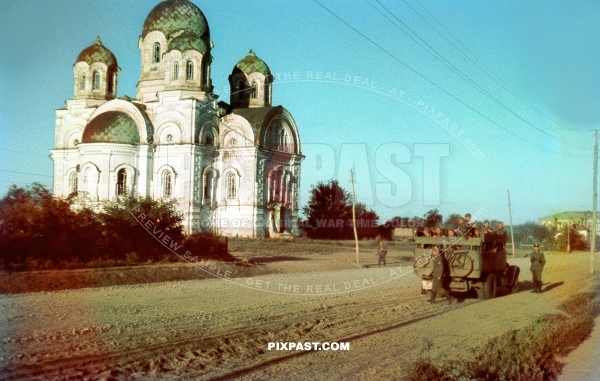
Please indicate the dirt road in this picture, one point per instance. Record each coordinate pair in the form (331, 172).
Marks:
(212, 329)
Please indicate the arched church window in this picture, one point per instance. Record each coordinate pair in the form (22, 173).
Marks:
(122, 182)
(189, 74)
(96, 85)
(82, 80)
(156, 53)
(208, 140)
(231, 185)
(175, 70)
(167, 184)
(73, 183)
(254, 90)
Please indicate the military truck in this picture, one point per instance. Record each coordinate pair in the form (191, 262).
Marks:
(403, 234)
(478, 264)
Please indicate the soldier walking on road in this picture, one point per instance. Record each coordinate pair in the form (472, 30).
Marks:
(538, 260)
(440, 272)
(381, 253)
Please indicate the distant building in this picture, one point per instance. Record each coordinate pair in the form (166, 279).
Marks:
(234, 168)
(579, 220)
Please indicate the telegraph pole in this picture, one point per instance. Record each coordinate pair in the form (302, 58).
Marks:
(569, 236)
(512, 236)
(354, 214)
(595, 204)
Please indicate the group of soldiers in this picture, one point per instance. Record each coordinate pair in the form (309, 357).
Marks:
(466, 229)
(469, 230)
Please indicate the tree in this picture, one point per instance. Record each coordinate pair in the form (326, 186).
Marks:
(452, 221)
(386, 229)
(531, 232)
(366, 221)
(329, 214)
(432, 218)
(575, 240)
(327, 211)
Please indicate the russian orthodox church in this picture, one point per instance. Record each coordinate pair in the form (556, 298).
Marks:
(233, 168)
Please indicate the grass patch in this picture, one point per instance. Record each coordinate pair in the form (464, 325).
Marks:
(528, 354)
(304, 245)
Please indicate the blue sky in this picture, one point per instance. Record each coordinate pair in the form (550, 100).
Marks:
(436, 128)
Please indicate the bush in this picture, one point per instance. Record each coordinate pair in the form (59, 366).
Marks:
(38, 231)
(124, 232)
(206, 246)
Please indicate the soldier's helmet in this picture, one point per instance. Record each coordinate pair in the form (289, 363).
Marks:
(536, 245)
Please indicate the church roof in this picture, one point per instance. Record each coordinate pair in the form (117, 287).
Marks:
(252, 64)
(97, 53)
(188, 41)
(173, 16)
(256, 116)
(111, 127)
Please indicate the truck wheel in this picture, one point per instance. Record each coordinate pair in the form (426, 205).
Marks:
(487, 288)
(515, 287)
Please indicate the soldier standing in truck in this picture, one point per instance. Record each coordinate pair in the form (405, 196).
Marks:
(468, 226)
(486, 227)
(501, 231)
(538, 260)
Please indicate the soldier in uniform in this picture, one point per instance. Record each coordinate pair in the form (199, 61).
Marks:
(440, 272)
(468, 226)
(500, 231)
(381, 253)
(460, 227)
(538, 260)
(486, 227)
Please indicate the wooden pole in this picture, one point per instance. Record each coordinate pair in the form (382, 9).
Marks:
(354, 214)
(569, 236)
(512, 236)
(595, 204)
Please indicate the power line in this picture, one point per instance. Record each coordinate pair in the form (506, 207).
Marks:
(436, 85)
(14, 182)
(487, 70)
(25, 173)
(465, 76)
(26, 153)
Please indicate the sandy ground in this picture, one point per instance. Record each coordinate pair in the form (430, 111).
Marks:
(220, 328)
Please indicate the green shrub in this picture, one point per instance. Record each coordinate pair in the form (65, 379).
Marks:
(38, 231)
(205, 246)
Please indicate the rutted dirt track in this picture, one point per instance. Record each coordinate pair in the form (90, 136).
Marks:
(212, 329)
